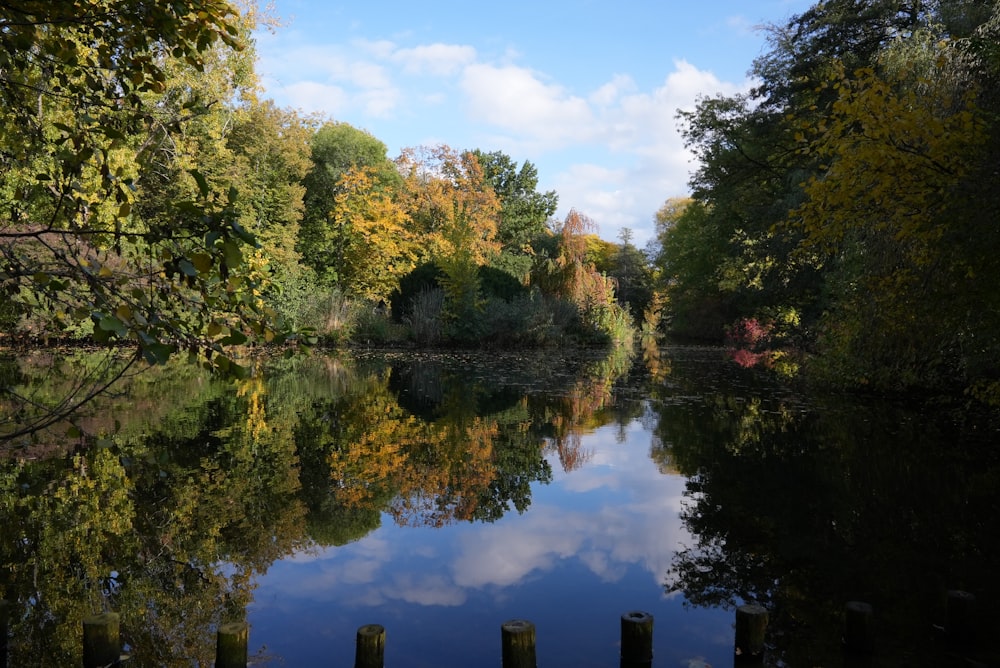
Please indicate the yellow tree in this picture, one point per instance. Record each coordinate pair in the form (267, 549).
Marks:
(455, 207)
(451, 201)
(894, 154)
(379, 246)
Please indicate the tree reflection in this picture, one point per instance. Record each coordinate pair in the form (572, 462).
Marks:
(169, 531)
(174, 501)
(803, 510)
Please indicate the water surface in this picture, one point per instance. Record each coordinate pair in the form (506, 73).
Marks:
(441, 494)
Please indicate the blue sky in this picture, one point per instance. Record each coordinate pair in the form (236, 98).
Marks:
(587, 91)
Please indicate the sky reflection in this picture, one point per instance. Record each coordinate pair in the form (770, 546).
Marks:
(595, 543)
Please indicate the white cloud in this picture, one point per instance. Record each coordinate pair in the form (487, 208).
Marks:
(610, 92)
(437, 59)
(642, 528)
(311, 96)
(424, 590)
(639, 133)
(517, 101)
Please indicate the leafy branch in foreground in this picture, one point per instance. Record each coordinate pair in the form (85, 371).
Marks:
(120, 219)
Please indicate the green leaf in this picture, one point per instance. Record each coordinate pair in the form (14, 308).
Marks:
(201, 181)
(247, 237)
(109, 323)
(235, 338)
(187, 268)
(158, 353)
(202, 262)
(233, 254)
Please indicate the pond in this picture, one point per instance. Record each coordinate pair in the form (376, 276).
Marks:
(442, 494)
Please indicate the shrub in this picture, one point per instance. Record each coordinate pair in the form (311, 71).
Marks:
(373, 324)
(424, 278)
(329, 313)
(425, 316)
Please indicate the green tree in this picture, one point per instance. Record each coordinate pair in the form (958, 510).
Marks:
(690, 247)
(337, 148)
(632, 276)
(270, 158)
(524, 212)
(885, 211)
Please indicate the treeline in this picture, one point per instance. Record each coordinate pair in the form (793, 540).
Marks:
(152, 198)
(847, 206)
(842, 219)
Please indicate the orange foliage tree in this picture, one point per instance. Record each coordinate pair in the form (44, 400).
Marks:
(456, 210)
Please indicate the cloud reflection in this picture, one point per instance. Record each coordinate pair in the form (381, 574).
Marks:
(615, 512)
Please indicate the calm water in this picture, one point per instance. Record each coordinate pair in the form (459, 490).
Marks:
(442, 494)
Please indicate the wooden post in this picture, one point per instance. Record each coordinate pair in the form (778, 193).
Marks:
(231, 645)
(751, 625)
(5, 608)
(637, 640)
(859, 629)
(518, 642)
(101, 640)
(960, 617)
(370, 651)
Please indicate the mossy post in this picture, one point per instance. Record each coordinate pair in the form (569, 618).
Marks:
(370, 650)
(751, 626)
(960, 617)
(517, 638)
(231, 645)
(102, 644)
(637, 640)
(859, 627)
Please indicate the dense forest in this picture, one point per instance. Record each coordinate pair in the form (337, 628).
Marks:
(841, 220)
(847, 206)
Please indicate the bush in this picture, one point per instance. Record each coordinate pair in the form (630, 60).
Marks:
(329, 312)
(529, 320)
(373, 324)
(495, 282)
(424, 278)
(424, 317)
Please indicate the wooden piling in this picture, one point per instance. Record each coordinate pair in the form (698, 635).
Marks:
(637, 640)
(101, 640)
(5, 608)
(859, 627)
(231, 645)
(370, 650)
(960, 617)
(518, 643)
(751, 626)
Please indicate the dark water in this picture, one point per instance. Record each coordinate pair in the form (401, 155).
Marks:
(442, 494)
